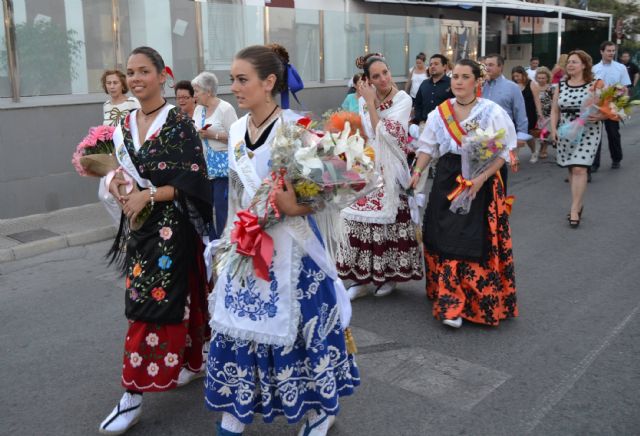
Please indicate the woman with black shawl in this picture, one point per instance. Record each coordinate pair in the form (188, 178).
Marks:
(166, 211)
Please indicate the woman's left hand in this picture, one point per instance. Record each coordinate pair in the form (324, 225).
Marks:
(286, 201)
(134, 203)
(594, 118)
(477, 185)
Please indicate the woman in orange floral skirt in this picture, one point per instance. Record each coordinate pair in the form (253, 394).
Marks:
(469, 259)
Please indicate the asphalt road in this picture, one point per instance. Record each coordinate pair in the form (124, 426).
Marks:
(569, 365)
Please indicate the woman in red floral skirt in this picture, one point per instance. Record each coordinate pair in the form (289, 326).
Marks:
(166, 282)
(469, 258)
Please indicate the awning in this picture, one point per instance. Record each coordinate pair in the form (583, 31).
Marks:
(507, 7)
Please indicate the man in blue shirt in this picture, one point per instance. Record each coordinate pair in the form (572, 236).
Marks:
(434, 90)
(508, 95)
(611, 73)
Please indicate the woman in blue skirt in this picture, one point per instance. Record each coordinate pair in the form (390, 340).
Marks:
(278, 346)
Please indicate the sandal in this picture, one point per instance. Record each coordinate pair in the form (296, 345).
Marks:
(543, 155)
(308, 429)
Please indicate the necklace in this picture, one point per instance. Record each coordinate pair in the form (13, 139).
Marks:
(466, 104)
(266, 119)
(384, 105)
(146, 114)
(386, 95)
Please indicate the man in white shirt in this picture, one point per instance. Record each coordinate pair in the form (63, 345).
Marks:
(611, 73)
(534, 62)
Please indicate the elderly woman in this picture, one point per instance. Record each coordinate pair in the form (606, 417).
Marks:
(213, 118)
(543, 78)
(114, 83)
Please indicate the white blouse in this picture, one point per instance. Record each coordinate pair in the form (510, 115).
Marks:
(113, 113)
(436, 141)
(221, 120)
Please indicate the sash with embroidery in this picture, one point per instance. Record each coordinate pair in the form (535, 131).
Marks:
(454, 128)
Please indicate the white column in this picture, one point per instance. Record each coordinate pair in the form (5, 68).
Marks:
(150, 25)
(75, 21)
(559, 49)
(483, 23)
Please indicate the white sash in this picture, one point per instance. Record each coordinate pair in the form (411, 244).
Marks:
(122, 154)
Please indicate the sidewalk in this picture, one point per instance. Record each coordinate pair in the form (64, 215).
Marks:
(31, 235)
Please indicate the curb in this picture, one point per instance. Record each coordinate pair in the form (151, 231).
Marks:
(30, 249)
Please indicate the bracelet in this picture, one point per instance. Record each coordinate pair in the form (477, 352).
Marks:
(417, 170)
(152, 194)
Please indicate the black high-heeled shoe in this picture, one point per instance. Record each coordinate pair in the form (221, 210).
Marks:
(574, 223)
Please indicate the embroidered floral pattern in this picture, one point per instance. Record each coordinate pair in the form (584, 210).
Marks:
(247, 300)
(479, 292)
(246, 377)
(380, 253)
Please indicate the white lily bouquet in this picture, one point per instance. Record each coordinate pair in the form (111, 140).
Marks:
(479, 149)
(328, 171)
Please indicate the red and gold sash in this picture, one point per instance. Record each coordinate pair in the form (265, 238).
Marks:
(456, 131)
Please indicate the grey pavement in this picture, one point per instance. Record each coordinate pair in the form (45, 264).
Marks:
(31, 235)
(569, 365)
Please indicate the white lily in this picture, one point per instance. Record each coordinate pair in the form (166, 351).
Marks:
(352, 147)
(307, 158)
(489, 133)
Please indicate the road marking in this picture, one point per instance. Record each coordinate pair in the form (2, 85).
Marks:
(555, 395)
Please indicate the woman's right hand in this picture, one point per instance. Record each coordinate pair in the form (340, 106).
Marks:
(553, 135)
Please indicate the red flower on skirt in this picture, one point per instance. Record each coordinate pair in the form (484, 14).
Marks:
(158, 294)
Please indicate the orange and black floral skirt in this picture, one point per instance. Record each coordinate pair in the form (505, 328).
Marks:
(155, 353)
(481, 291)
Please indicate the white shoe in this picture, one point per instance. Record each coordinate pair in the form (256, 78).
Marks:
(357, 291)
(534, 157)
(455, 323)
(186, 376)
(125, 415)
(385, 289)
(332, 420)
(319, 428)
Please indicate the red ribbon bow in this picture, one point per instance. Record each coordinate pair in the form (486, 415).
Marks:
(252, 241)
(462, 185)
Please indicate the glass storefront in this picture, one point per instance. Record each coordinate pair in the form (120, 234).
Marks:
(63, 46)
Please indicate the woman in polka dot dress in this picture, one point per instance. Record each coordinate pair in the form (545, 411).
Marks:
(567, 101)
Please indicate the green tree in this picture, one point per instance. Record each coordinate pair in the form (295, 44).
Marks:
(628, 12)
(46, 54)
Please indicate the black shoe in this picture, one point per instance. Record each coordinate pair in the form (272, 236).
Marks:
(574, 223)
(615, 166)
(594, 169)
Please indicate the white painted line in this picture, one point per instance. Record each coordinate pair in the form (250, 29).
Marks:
(549, 401)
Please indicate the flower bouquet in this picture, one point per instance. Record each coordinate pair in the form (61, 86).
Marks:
(479, 149)
(94, 154)
(94, 157)
(612, 101)
(328, 171)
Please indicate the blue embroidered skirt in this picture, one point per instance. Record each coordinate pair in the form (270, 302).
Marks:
(245, 377)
